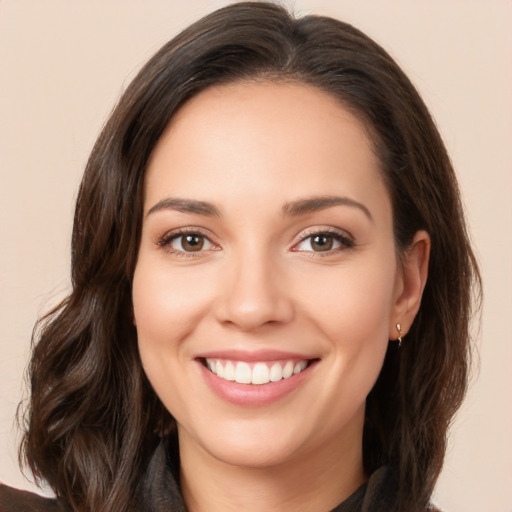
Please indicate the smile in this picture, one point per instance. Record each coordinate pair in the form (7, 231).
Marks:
(257, 373)
(253, 379)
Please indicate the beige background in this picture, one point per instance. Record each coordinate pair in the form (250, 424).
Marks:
(63, 64)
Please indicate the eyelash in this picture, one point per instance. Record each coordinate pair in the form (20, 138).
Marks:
(345, 240)
(165, 241)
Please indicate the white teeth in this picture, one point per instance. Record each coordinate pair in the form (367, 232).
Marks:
(243, 373)
(288, 370)
(229, 371)
(299, 367)
(260, 373)
(276, 372)
(219, 370)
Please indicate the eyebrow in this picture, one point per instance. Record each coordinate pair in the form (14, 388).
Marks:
(291, 209)
(186, 206)
(314, 204)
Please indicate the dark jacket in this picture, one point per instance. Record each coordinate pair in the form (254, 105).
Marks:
(162, 494)
(14, 500)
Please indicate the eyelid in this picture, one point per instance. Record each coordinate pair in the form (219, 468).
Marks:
(344, 237)
(165, 240)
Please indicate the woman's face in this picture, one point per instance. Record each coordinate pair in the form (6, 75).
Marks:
(267, 256)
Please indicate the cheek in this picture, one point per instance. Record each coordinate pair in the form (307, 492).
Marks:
(352, 305)
(167, 304)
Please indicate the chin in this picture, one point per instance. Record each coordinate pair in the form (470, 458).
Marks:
(252, 448)
(256, 457)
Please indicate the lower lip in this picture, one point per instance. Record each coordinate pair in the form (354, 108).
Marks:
(254, 394)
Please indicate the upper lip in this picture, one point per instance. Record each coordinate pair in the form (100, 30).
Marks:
(251, 356)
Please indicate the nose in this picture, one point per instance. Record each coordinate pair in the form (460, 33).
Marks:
(254, 294)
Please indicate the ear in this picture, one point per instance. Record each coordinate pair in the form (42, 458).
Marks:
(410, 283)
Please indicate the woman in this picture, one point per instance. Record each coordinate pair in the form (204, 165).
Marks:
(271, 285)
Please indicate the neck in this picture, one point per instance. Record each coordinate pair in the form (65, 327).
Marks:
(307, 483)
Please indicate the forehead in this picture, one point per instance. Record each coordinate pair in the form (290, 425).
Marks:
(268, 139)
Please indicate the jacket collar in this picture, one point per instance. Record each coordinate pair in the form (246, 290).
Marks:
(162, 492)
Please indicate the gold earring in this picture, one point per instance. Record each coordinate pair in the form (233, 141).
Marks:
(399, 329)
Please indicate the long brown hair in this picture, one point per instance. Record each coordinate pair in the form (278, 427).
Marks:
(93, 420)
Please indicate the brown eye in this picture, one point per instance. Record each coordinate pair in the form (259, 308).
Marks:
(322, 242)
(190, 242)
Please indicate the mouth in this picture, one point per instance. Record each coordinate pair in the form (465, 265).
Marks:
(256, 373)
(253, 379)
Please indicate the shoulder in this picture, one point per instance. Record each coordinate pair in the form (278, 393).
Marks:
(15, 500)
(382, 491)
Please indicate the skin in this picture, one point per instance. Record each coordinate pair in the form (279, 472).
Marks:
(260, 283)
